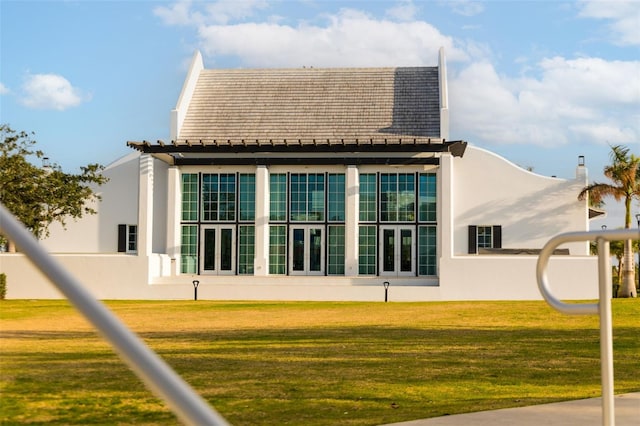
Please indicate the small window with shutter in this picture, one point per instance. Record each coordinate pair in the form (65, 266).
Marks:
(484, 236)
(127, 239)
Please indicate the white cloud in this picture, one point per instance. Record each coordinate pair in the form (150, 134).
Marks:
(178, 14)
(219, 12)
(405, 10)
(347, 38)
(466, 7)
(624, 18)
(3, 89)
(578, 100)
(223, 11)
(50, 91)
(339, 43)
(593, 80)
(569, 101)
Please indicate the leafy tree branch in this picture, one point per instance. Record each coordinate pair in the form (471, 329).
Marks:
(39, 196)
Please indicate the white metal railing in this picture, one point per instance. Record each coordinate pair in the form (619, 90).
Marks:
(603, 307)
(183, 400)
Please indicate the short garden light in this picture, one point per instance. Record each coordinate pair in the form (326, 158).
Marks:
(386, 289)
(195, 289)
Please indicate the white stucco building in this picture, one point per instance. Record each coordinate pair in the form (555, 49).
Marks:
(318, 184)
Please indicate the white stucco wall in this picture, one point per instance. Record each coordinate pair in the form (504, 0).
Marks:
(160, 192)
(481, 188)
(99, 233)
(119, 205)
(486, 189)
(513, 277)
(121, 276)
(489, 190)
(102, 274)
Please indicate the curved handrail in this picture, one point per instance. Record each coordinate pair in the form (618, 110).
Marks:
(603, 307)
(553, 243)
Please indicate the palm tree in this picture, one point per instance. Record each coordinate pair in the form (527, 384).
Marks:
(624, 174)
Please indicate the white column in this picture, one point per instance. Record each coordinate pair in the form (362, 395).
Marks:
(582, 178)
(261, 262)
(444, 95)
(145, 206)
(352, 214)
(445, 207)
(174, 200)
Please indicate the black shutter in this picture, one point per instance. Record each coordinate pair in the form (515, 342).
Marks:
(122, 238)
(497, 236)
(473, 238)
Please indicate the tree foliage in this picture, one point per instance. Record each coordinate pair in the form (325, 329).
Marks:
(39, 196)
(624, 174)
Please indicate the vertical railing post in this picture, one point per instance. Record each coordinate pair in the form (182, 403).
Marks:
(602, 308)
(606, 333)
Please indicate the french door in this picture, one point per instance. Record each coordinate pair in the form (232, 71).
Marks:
(306, 250)
(397, 251)
(217, 250)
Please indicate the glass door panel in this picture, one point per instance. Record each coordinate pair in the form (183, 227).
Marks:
(217, 250)
(226, 249)
(209, 242)
(315, 250)
(388, 250)
(406, 250)
(306, 243)
(397, 254)
(298, 250)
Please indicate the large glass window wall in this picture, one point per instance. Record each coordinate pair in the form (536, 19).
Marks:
(335, 250)
(307, 197)
(218, 197)
(246, 249)
(189, 250)
(277, 249)
(190, 197)
(367, 250)
(218, 214)
(388, 248)
(368, 197)
(278, 197)
(307, 215)
(311, 241)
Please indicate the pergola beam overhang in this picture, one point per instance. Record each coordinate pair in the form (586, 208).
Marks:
(203, 154)
(455, 147)
(311, 161)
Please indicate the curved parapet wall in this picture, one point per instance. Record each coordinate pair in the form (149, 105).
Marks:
(488, 190)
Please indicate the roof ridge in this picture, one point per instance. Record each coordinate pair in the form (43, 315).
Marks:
(313, 68)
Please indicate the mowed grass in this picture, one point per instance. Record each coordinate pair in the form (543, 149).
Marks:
(309, 363)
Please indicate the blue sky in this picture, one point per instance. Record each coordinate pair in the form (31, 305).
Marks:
(538, 82)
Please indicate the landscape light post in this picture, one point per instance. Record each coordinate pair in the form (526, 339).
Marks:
(195, 289)
(386, 290)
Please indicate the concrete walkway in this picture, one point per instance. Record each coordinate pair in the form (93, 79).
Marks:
(584, 412)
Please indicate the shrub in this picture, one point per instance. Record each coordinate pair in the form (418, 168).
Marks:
(3, 286)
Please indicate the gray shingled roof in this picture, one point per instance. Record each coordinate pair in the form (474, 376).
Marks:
(306, 105)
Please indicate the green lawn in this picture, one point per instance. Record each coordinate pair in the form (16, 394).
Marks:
(309, 363)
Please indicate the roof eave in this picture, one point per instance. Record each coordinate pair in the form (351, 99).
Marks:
(348, 153)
